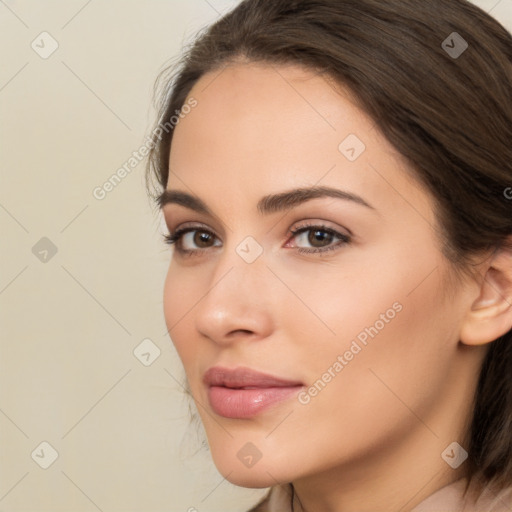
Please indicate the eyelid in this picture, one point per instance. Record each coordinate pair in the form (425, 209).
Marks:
(176, 237)
(344, 239)
(320, 223)
(176, 218)
(190, 226)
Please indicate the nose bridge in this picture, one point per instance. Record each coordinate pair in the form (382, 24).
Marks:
(241, 266)
(238, 298)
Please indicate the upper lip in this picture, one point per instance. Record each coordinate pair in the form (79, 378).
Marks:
(242, 377)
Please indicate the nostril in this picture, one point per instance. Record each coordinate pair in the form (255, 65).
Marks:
(235, 335)
(241, 331)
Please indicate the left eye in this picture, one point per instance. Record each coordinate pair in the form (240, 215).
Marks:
(320, 238)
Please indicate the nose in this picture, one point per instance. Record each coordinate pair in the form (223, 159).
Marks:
(237, 303)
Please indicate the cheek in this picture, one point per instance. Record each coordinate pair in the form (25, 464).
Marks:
(181, 293)
(383, 315)
(367, 285)
(395, 351)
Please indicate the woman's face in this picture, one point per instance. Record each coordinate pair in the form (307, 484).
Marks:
(351, 310)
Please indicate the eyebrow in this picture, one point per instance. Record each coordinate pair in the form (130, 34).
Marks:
(268, 204)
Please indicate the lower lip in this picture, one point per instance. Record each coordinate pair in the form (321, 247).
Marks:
(245, 403)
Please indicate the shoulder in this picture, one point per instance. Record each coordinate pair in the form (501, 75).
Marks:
(278, 499)
(494, 500)
(261, 506)
(453, 497)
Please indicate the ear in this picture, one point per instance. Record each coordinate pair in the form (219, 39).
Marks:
(490, 315)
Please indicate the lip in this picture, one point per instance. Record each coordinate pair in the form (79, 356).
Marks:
(244, 377)
(243, 392)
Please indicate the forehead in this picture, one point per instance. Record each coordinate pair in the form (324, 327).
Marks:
(260, 128)
(253, 102)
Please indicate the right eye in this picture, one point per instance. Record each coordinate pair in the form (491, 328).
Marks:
(192, 240)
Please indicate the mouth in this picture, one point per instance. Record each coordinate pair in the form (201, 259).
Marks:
(243, 393)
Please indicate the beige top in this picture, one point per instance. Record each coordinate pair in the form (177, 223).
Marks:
(447, 499)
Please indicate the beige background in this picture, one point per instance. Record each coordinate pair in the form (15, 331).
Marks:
(69, 324)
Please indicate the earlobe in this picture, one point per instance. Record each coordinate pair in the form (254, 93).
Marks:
(490, 315)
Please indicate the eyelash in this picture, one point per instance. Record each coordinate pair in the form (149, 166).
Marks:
(174, 238)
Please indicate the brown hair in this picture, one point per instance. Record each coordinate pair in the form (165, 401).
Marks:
(449, 115)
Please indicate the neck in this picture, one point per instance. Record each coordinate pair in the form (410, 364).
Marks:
(402, 469)
(391, 481)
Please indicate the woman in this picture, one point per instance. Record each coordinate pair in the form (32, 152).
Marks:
(338, 196)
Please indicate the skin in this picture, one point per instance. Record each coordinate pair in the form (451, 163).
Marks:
(372, 438)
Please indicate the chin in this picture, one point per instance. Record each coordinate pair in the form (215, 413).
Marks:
(264, 473)
(250, 478)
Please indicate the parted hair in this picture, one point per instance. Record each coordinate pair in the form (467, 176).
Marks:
(448, 113)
